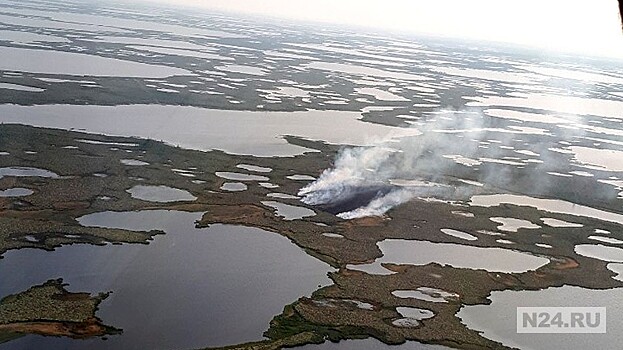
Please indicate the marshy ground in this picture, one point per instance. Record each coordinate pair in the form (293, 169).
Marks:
(92, 178)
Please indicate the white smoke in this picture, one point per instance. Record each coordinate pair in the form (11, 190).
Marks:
(417, 162)
(354, 167)
(380, 205)
(390, 162)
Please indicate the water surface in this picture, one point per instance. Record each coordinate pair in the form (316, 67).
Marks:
(459, 234)
(600, 252)
(234, 186)
(289, 212)
(160, 194)
(411, 316)
(513, 224)
(16, 192)
(398, 251)
(498, 320)
(550, 205)
(433, 295)
(256, 168)
(20, 87)
(240, 176)
(257, 133)
(20, 171)
(133, 162)
(71, 63)
(189, 288)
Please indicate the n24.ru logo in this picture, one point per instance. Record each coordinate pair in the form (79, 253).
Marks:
(561, 320)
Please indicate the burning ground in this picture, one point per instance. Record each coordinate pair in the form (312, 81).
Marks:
(92, 177)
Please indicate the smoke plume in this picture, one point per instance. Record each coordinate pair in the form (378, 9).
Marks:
(457, 155)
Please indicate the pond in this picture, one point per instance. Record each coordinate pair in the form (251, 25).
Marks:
(257, 133)
(498, 320)
(289, 212)
(400, 251)
(160, 194)
(189, 288)
(71, 63)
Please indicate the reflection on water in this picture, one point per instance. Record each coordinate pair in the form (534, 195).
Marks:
(240, 176)
(189, 288)
(133, 162)
(250, 167)
(550, 205)
(400, 251)
(206, 129)
(16, 192)
(95, 142)
(148, 42)
(380, 95)
(606, 159)
(236, 68)
(498, 320)
(20, 87)
(459, 234)
(601, 252)
(46, 23)
(16, 37)
(513, 224)
(606, 239)
(160, 274)
(559, 103)
(433, 295)
(618, 269)
(181, 52)
(79, 64)
(161, 194)
(363, 71)
(525, 116)
(110, 22)
(559, 223)
(411, 316)
(26, 171)
(281, 195)
(234, 186)
(503, 76)
(299, 177)
(289, 212)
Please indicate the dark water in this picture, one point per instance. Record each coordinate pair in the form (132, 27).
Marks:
(187, 289)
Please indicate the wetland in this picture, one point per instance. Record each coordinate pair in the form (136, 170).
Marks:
(194, 181)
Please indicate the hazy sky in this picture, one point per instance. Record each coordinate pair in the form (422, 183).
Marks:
(577, 25)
